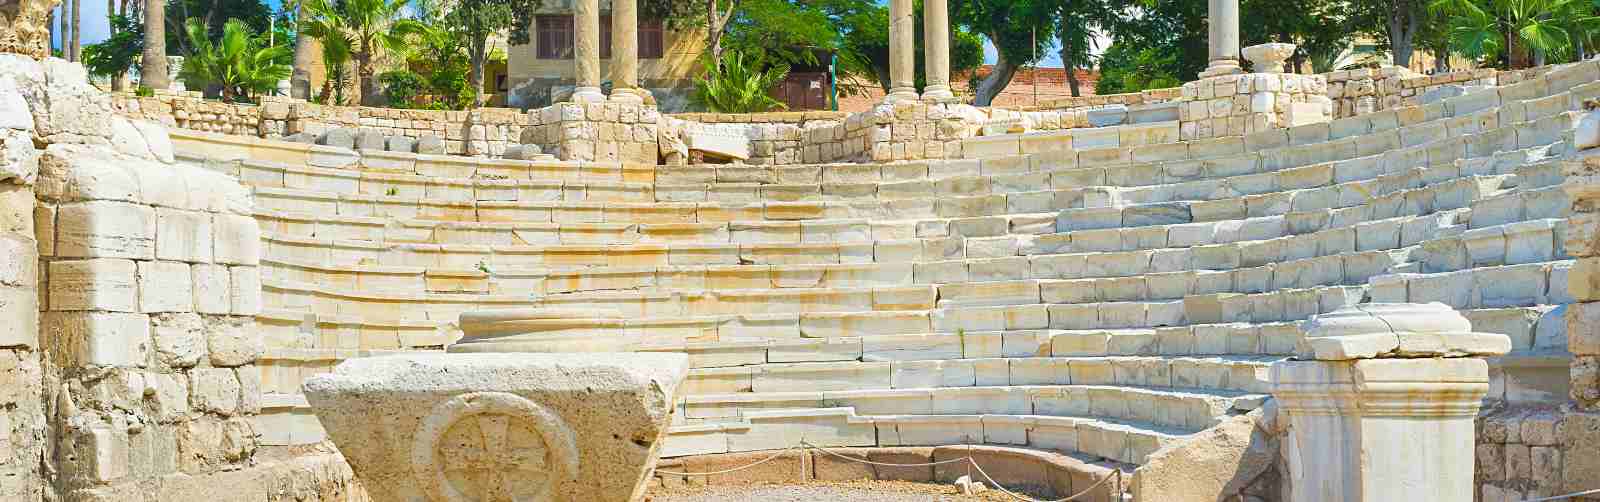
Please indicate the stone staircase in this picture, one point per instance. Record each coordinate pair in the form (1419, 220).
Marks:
(1102, 292)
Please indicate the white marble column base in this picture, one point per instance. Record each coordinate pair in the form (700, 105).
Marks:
(1222, 67)
(938, 94)
(588, 95)
(899, 94)
(629, 96)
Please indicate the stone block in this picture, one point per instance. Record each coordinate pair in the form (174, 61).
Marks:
(607, 413)
(232, 341)
(214, 390)
(165, 286)
(179, 339)
(183, 235)
(236, 239)
(106, 229)
(94, 284)
(210, 284)
(97, 338)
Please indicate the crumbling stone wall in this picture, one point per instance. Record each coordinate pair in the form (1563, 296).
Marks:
(603, 132)
(485, 131)
(22, 420)
(1518, 454)
(129, 289)
(1579, 429)
(1368, 90)
(1236, 105)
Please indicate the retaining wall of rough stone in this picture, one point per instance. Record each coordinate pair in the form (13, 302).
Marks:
(127, 359)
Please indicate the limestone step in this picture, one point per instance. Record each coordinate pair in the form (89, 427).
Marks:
(331, 299)
(408, 230)
(1090, 254)
(1521, 285)
(741, 382)
(1118, 441)
(1512, 204)
(1177, 410)
(1317, 186)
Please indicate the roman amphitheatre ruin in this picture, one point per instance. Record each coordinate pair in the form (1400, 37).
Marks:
(1362, 285)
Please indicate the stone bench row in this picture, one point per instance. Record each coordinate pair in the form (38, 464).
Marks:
(328, 299)
(1124, 136)
(1341, 229)
(349, 183)
(1097, 204)
(748, 383)
(1125, 442)
(1186, 411)
(1450, 246)
(819, 231)
(1484, 287)
(451, 198)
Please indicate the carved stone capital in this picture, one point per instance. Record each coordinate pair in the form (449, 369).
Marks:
(23, 27)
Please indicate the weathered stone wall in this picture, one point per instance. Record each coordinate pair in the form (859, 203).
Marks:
(1149, 96)
(1518, 454)
(486, 131)
(1236, 105)
(1579, 430)
(129, 289)
(22, 420)
(1369, 90)
(603, 132)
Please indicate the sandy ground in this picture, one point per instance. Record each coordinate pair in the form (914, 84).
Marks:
(855, 491)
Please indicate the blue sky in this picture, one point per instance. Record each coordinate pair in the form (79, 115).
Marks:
(95, 29)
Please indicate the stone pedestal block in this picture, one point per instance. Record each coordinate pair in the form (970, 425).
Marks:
(500, 427)
(1382, 404)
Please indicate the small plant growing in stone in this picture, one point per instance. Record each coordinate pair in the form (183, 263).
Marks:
(483, 266)
(392, 191)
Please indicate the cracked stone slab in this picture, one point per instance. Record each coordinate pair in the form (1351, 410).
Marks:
(506, 426)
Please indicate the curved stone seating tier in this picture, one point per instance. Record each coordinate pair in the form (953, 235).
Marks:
(1102, 292)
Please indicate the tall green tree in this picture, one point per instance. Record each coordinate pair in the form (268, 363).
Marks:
(372, 26)
(336, 44)
(1021, 31)
(153, 71)
(116, 54)
(475, 21)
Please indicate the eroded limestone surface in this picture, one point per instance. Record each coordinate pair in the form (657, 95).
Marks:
(500, 427)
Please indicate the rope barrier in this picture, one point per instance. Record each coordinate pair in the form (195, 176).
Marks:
(1567, 496)
(1117, 473)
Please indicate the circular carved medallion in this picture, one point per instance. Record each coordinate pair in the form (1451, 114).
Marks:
(493, 447)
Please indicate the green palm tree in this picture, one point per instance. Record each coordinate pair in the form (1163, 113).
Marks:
(370, 26)
(319, 20)
(1524, 31)
(237, 62)
(739, 85)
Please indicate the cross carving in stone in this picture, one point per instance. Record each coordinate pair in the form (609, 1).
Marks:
(496, 458)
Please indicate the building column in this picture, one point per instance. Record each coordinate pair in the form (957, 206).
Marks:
(1381, 403)
(1223, 18)
(586, 24)
(902, 52)
(625, 52)
(936, 31)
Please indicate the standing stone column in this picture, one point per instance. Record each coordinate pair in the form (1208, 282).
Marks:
(902, 52)
(625, 52)
(936, 30)
(1381, 404)
(1223, 18)
(586, 24)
